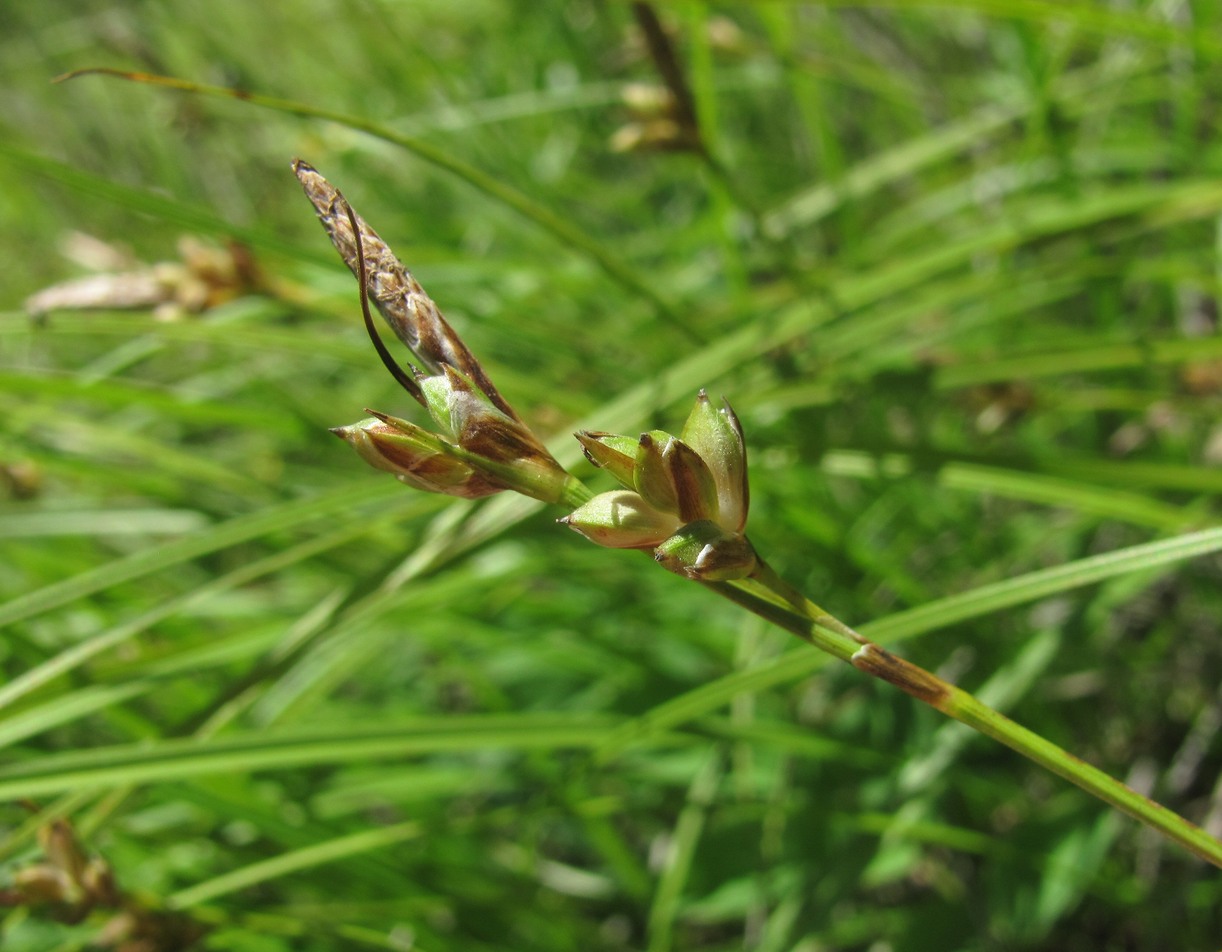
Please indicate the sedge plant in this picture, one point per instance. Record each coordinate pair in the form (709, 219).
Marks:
(683, 499)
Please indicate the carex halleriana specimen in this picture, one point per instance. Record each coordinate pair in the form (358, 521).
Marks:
(684, 498)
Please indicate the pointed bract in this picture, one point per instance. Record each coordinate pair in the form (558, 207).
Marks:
(416, 457)
(616, 454)
(697, 484)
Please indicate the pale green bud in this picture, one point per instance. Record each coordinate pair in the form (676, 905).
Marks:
(621, 520)
(718, 437)
(704, 551)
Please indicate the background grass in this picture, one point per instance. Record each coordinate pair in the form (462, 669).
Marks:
(960, 284)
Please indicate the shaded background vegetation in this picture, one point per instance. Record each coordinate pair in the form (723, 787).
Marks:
(955, 266)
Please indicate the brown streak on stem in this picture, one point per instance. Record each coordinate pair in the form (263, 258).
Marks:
(880, 663)
(152, 79)
(103, 71)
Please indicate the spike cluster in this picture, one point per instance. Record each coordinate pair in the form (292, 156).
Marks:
(484, 446)
(685, 497)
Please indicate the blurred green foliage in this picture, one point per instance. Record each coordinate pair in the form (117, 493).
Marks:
(955, 265)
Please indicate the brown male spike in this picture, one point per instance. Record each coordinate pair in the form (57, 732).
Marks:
(402, 302)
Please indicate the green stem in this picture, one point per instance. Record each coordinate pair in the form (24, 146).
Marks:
(575, 493)
(767, 595)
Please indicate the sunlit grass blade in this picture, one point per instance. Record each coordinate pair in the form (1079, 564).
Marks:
(72, 658)
(195, 219)
(159, 558)
(178, 759)
(294, 861)
(1044, 490)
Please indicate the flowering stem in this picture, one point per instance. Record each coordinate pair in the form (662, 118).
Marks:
(684, 499)
(770, 597)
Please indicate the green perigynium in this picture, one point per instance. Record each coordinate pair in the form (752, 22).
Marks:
(685, 497)
(621, 519)
(703, 550)
(717, 437)
(672, 477)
